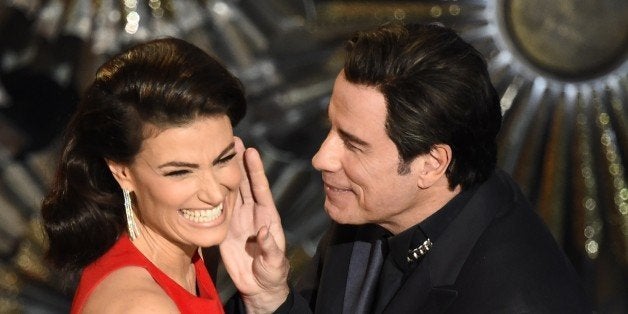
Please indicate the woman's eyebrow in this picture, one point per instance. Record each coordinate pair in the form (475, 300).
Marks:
(178, 164)
(227, 149)
(196, 166)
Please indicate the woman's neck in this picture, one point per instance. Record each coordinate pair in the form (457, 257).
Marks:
(172, 259)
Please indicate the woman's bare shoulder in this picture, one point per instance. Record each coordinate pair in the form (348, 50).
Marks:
(129, 290)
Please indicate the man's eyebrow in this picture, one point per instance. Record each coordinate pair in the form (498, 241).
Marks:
(352, 138)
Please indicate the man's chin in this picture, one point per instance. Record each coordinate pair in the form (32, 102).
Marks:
(342, 216)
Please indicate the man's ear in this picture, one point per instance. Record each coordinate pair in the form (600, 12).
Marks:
(433, 165)
(121, 173)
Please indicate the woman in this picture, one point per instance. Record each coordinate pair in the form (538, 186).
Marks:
(149, 173)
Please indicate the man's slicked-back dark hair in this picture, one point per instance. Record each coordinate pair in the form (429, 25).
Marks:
(438, 91)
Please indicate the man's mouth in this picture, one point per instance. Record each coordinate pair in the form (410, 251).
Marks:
(201, 215)
(336, 189)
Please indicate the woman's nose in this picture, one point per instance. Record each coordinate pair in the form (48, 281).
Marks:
(209, 190)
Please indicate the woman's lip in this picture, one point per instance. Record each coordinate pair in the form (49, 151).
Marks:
(202, 215)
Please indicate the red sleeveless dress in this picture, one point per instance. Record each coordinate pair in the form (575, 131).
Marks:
(123, 253)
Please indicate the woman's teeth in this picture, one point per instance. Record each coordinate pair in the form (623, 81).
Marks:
(202, 215)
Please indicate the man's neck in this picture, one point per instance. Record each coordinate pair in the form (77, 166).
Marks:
(429, 202)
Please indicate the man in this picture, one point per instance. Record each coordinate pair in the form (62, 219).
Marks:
(423, 221)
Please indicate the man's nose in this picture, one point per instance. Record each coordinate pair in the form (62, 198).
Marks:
(327, 158)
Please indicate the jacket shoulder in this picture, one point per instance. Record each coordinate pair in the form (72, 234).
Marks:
(516, 265)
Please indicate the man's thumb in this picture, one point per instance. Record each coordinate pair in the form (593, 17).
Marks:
(268, 245)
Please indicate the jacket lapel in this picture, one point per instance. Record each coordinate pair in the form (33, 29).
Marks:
(350, 271)
(333, 278)
(363, 275)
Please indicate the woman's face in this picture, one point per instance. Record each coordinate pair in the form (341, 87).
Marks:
(185, 181)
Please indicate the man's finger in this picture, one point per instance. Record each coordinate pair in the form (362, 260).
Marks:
(258, 180)
(243, 210)
(245, 185)
(268, 246)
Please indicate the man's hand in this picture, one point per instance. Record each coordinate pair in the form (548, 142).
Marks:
(254, 249)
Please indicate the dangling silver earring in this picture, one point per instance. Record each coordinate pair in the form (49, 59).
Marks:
(134, 232)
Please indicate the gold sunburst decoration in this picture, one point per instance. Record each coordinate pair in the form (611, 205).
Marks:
(561, 69)
(559, 66)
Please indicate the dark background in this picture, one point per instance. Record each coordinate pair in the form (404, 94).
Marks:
(560, 67)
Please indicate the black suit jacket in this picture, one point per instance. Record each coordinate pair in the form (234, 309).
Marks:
(496, 256)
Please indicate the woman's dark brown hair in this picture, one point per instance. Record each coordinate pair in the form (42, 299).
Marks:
(165, 82)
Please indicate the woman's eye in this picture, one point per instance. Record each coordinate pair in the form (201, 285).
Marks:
(176, 173)
(225, 159)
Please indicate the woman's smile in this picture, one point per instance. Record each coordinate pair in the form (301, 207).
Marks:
(201, 215)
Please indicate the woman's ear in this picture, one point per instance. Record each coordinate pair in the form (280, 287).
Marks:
(433, 165)
(121, 173)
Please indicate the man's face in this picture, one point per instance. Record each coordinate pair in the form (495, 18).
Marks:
(359, 163)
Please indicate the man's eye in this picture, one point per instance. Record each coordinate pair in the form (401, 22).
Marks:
(350, 146)
(176, 173)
